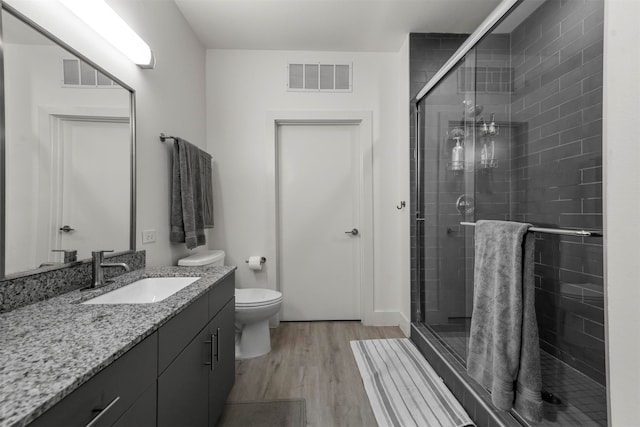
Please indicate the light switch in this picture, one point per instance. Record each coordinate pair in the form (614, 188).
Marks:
(148, 236)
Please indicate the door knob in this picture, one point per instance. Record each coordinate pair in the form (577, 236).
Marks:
(353, 232)
(66, 228)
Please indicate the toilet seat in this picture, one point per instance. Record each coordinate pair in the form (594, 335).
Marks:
(256, 297)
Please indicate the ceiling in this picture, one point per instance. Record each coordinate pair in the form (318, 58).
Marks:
(327, 25)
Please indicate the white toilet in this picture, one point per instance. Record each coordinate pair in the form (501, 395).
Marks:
(254, 308)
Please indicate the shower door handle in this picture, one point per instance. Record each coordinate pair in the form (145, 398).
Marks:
(353, 232)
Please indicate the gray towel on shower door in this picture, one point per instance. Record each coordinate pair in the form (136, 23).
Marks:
(191, 194)
(504, 352)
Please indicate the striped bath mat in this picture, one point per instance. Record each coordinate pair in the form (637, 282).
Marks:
(403, 388)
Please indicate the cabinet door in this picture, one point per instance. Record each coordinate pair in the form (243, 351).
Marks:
(183, 386)
(178, 332)
(220, 294)
(222, 377)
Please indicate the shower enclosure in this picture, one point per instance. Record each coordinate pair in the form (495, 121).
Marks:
(513, 131)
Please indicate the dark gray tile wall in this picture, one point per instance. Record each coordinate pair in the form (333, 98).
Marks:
(428, 53)
(557, 172)
(492, 185)
(20, 290)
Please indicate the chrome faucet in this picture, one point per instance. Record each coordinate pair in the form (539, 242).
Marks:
(97, 264)
(70, 255)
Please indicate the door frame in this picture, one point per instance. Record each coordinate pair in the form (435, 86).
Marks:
(50, 120)
(363, 120)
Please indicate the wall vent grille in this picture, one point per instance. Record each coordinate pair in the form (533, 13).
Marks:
(319, 77)
(76, 73)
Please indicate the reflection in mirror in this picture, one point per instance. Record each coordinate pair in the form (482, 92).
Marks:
(68, 142)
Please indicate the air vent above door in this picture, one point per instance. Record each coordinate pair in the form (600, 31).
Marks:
(320, 77)
(76, 73)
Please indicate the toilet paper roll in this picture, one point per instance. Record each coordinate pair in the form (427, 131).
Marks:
(255, 263)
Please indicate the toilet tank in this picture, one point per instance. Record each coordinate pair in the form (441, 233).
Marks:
(212, 258)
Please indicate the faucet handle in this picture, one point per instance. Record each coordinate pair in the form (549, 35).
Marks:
(70, 255)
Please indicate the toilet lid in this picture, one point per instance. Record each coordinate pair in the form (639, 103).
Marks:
(256, 297)
(201, 258)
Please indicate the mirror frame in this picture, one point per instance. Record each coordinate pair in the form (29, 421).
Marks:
(5, 8)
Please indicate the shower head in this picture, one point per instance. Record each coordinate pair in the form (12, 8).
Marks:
(474, 110)
(457, 133)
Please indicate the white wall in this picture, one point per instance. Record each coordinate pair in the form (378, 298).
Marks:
(242, 87)
(404, 180)
(170, 98)
(622, 208)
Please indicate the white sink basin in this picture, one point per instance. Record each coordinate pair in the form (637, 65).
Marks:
(144, 291)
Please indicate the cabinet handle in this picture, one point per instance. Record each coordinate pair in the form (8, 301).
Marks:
(101, 412)
(217, 344)
(211, 344)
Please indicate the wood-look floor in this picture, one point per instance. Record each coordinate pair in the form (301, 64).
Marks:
(313, 361)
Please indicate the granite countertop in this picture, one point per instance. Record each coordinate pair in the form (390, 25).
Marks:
(50, 348)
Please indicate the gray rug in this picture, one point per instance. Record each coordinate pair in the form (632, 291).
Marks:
(403, 388)
(265, 413)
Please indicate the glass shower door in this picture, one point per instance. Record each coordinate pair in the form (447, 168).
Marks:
(447, 156)
(514, 132)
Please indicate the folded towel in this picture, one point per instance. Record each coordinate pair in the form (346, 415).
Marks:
(504, 352)
(206, 175)
(191, 195)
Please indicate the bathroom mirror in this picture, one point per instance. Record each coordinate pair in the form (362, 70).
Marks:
(68, 169)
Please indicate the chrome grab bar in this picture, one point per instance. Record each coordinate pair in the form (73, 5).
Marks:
(562, 231)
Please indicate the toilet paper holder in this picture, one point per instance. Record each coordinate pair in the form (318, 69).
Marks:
(262, 260)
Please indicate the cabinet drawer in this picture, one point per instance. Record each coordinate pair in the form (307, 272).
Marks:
(220, 295)
(143, 412)
(106, 396)
(174, 336)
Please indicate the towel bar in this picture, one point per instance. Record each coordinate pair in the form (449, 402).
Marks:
(164, 137)
(562, 231)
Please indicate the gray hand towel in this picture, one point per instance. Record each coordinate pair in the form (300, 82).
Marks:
(191, 195)
(504, 352)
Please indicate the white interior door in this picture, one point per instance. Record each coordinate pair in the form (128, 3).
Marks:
(318, 203)
(95, 193)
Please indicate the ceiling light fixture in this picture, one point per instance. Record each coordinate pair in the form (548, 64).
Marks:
(106, 22)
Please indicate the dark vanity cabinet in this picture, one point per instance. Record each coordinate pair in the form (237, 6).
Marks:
(180, 375)
(194, 384)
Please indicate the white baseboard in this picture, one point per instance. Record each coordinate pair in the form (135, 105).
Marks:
(389, 318)
(405, 325)
(377, 318)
